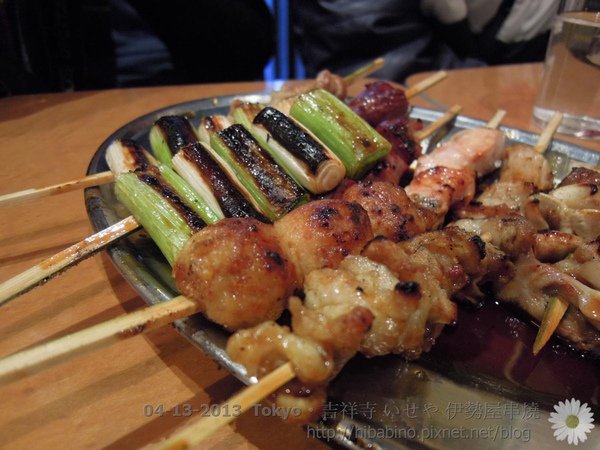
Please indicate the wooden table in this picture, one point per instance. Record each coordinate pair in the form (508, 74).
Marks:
(103, 400)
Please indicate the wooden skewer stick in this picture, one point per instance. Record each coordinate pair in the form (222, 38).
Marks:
(438, 123)
(365, 71)
(426, 83)
(40, 357)
(554, 312)
(43, 271)
(548, 133)
(80, 183)
(496, 120)
(199, 430)
(556, 307)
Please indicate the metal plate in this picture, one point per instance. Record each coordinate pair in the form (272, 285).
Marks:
(458, 394)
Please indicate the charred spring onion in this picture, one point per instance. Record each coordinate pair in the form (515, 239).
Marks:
(272, 190)
(164, 215)
(306, 160)
(356, 144)
(125, 155)
(190, 196)
(195, 164)
(210, 125)
(168, 135)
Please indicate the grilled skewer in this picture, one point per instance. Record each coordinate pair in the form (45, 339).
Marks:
(315, 237)
(323, 253)
(523, 176)
(233, 205)
(101, 178)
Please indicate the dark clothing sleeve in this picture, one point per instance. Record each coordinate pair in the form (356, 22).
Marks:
(342, 35)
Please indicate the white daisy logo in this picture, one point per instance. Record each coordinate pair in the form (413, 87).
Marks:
(572, 420)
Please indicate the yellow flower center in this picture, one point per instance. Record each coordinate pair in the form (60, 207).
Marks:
(572, 421)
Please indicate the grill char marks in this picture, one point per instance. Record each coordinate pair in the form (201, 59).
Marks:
(177, 131)
(232, 202)
(154, 180)
(292, 137)
(272, 181)
(136, 153)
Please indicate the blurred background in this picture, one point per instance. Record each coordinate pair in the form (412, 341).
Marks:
(66, 45)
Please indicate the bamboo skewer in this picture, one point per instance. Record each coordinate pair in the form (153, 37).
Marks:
(365, 71)
(438, 123)
(556, 307)
(46, 269)
(37, 358)
(80, 183)
(548, 133)
(425, 84)
(554, 312)
(496, 120)
(199, 430)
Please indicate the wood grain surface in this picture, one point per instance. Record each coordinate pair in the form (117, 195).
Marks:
(102, 400)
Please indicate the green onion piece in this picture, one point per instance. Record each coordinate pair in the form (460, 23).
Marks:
(244, 112)
(352, 139)
(189, 195)
(161, 221)
(308, 161)
(210, 125)
(168, 135)
(125, 155)
(272, 191)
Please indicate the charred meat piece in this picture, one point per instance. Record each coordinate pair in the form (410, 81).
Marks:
(322, 233)
(224, 267)
(581, 175)
(392, 213)
(380, 101)
(405, 149)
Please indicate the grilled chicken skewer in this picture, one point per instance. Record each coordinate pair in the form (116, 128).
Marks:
(525, 172)
(237, 207)
(230, 262)
(382, 301)
(326, 234)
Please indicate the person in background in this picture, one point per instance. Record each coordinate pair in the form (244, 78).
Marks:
(419, 35)
(66, 45)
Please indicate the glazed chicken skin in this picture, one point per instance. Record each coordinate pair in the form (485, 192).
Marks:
(224, 266)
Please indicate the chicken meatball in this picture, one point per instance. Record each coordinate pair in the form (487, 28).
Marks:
(224, 267)
(321, 233)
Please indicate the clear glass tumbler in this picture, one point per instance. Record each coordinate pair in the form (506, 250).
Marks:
(571, 79)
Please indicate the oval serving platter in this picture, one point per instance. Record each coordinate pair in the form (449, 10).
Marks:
(479, 382)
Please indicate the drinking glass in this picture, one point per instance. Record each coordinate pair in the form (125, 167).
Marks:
(571, 79)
